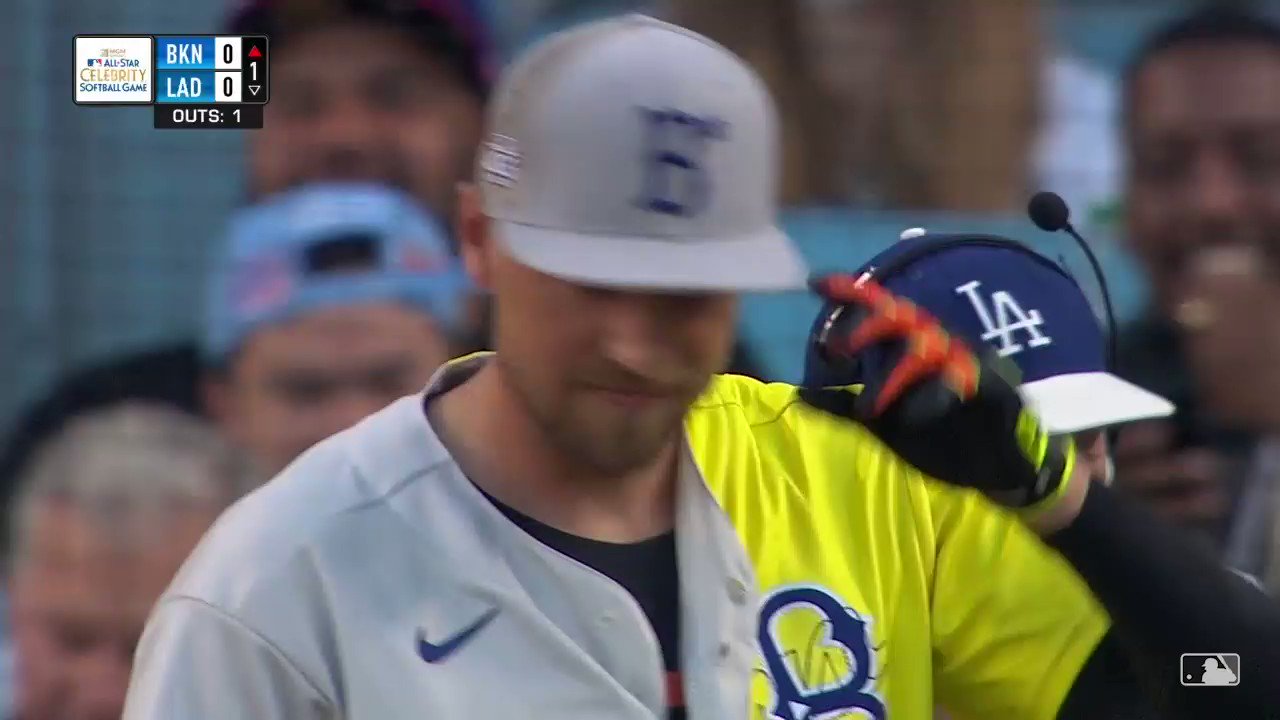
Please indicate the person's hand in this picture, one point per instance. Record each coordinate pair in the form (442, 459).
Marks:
(1186, 485)
(954, 415)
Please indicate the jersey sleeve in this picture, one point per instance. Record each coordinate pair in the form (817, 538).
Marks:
(198, 663)
(1012, 622)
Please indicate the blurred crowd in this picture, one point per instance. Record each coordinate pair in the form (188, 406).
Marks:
(336, 287)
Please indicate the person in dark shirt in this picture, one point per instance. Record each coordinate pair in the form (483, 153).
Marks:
(1201, 122)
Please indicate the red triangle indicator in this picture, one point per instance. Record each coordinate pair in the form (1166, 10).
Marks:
(254, 52)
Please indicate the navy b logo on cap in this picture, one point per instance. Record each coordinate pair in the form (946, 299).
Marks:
(676, 182)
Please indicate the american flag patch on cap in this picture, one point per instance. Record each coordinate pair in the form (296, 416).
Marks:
(500, 161)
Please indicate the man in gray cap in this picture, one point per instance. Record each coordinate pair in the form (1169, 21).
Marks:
(577, 526)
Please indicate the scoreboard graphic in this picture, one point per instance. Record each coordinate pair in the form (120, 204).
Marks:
(193, 81)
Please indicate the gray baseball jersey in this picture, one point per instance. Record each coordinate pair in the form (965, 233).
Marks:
(372, 580)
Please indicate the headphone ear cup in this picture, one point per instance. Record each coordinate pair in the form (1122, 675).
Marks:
(838, 369)
(830, 370)
(823, 368)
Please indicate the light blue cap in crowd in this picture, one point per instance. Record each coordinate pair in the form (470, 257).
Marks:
(327, 245)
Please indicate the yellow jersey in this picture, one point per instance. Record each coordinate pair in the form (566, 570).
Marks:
(884, 593)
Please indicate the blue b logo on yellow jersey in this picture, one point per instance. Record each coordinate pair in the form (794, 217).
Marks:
(819, 657)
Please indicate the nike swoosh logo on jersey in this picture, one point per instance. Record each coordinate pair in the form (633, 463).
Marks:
(436, 652)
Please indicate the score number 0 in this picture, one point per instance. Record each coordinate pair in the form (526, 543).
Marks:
(228, 71)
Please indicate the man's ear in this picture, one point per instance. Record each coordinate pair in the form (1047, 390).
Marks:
(474, 239)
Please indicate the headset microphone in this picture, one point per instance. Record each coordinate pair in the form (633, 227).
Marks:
(1050, 213)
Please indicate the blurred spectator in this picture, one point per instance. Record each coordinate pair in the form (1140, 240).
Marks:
(915, 104)
(330, 302)
(1204, 151)
(167, 376)
(106, 514)
(1233, 345)
(1202, 128)
(1190, 467)
(294, 377)
(403, 107)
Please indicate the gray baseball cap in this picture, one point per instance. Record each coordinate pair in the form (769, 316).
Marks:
(632, 153)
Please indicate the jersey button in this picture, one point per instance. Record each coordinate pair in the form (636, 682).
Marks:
(737, 591)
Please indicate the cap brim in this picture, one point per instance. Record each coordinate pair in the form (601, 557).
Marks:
(1091, 400)
(765, 261)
